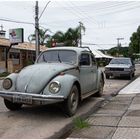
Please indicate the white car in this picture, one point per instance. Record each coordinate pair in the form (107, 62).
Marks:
(120, 67)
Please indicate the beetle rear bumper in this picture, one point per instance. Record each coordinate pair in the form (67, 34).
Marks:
(30, 98)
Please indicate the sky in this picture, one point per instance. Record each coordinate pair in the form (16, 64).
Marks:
(105, 21)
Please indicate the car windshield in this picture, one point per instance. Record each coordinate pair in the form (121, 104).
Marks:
(61, 56)
(120, 61)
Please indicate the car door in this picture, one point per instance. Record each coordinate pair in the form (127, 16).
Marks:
(94, 72)
(87, 73)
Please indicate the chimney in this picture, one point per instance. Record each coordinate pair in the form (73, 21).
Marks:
(2, 32)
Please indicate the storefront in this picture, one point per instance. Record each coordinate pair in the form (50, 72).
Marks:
(19, 55)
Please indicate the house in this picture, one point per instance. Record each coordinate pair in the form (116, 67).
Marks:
(19, 55)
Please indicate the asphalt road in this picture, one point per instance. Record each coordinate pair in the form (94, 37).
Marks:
(47, 121)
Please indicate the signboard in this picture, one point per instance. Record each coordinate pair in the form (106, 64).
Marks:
(16, 35)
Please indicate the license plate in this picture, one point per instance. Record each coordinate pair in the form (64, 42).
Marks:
(22, 99)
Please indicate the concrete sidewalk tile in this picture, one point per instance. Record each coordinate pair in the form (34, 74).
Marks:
(126, 95)
(133, 113)
(114, 106)
(136, 100)
(134, 107)
(138, 95)
(94, 132)
(108, 112)
(127, 133)
(120, 98)
(130, 122)
(116, 101)
(104, 121)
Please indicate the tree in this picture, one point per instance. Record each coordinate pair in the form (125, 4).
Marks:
(69, 38)
(134, 45)
(72, 36)
(59, 36)
(43, 36)
(121, 51)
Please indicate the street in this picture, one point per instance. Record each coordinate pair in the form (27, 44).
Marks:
(48, 121)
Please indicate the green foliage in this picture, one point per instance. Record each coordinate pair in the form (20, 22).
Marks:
(4, 74)
(28, 62)
(80, 123)
(69, 38)
(119, 51)
(43, 36)
(134, 46)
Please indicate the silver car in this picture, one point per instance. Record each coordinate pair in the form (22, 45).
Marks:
(120, 67)
(61, 74)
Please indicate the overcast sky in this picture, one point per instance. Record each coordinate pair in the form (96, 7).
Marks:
(105, 21)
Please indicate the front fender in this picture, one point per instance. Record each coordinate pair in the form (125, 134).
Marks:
(13, 77)
(66, 82)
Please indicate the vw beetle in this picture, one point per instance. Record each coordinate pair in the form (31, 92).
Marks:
(60, 74)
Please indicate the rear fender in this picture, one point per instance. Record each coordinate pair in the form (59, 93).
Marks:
(100, 75)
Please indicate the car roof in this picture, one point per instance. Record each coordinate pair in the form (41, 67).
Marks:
(77, 49)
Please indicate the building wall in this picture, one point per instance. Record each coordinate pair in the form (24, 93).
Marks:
(17, 59)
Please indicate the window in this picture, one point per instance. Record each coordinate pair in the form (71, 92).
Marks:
(85, 59)
(62, 56)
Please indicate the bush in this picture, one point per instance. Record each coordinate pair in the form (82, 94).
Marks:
(4, 74)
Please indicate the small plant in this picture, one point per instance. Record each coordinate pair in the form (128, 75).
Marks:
(79, 123)
(4, 74)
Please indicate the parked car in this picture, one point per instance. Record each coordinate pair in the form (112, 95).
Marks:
(120, 66)
(61, 74)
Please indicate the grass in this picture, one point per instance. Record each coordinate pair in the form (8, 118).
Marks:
(4, 74)
(79, 123)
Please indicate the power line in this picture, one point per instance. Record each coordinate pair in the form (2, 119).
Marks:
(10, 20)
(82, 13)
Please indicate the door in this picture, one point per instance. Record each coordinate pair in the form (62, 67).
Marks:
(87, 73)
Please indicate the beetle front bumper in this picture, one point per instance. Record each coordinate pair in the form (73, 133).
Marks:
(30, 98)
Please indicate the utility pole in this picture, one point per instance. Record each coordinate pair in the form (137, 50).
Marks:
(118, 44)
(81, 24)
(37, 30)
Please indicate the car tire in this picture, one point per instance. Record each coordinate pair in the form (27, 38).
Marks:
(12, 106)
(130, 76)
(71, 103)
(101, 85)
(107, 76)
(133, 75)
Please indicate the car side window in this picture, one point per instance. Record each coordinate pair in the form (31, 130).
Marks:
(85, 59)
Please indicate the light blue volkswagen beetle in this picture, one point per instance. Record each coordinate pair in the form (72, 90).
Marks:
(61, 74)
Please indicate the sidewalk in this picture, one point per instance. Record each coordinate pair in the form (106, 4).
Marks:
(118, 118)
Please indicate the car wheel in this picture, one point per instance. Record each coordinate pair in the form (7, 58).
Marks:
(107, 76)
(71, 103)
(12, 106)
(101, 85)
(133, 75)
(130, 76)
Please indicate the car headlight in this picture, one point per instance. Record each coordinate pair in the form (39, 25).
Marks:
(7, 83)
(54, 87)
